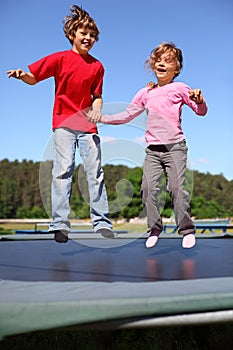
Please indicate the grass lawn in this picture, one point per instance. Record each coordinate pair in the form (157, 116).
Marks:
(11, 227)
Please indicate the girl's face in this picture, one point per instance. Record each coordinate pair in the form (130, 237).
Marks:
(165, 68)
(83, 41)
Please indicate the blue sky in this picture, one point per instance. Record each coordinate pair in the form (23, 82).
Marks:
(129, 30)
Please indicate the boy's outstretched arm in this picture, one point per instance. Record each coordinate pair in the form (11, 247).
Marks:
(20, 74)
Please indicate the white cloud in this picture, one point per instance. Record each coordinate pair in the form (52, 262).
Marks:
(203, 161)
(108, 139)
(140, 139)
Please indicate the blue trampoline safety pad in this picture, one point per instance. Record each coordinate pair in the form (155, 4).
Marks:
(29, 306)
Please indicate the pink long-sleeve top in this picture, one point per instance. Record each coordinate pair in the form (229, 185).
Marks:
(163, 106)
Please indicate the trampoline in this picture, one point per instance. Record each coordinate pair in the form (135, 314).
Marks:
(92, 282)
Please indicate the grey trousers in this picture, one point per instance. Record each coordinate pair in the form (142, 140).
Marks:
(171, 159)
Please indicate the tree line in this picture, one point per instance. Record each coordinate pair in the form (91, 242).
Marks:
(25, 189)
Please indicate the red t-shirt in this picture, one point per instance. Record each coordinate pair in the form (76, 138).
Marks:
(78, 78)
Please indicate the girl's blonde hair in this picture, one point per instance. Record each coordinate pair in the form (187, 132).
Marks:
(78, 18)
(162, 48)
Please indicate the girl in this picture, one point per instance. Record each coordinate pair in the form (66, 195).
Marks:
(166, 146)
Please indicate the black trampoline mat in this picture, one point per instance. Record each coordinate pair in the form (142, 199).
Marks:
(130, 261)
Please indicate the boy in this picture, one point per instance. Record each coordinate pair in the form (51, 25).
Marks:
(78, 87)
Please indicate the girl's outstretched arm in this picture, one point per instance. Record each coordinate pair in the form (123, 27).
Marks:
(131, 112)
(194, 99)
(20, 74)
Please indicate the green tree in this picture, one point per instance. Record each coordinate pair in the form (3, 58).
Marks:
(25, 191)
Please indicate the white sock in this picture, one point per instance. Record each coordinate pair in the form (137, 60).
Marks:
(189, 240)
(152, 239)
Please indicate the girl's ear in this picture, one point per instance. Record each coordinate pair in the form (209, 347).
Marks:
(177, 71)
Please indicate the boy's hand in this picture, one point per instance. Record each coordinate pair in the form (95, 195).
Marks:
(20, 74)
(94, 116)
(196, 96)
(16, 73)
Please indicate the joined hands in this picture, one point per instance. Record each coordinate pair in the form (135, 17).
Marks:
(94, 116)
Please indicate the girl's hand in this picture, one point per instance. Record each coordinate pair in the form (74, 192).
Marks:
(94, 116)
(196, 96)
(151, 85)
(16, 73)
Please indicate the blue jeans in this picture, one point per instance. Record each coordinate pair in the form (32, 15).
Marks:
(65, 143)
(172, 159)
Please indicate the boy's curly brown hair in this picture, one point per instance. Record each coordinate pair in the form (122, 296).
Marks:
(158, 51)
(78, 18)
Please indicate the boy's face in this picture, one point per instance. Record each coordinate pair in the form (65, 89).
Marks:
(83, 41)
(166, 68)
